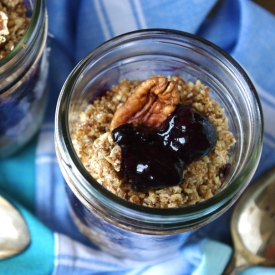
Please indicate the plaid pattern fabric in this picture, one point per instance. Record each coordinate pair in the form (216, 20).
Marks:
(77, 27)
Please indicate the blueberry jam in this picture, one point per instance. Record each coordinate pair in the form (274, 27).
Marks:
(155, 158)
(188, 134)
(142, 158)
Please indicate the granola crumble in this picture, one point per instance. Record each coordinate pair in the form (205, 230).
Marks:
(17, 23)
(94, 145)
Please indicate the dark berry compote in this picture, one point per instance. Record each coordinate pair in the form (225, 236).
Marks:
(155, 158)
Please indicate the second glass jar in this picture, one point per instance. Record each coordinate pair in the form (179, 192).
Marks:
(23, 82)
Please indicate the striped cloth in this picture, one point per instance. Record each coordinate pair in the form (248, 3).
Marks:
(240, 27)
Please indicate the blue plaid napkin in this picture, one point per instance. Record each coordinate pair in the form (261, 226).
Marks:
(240, 27)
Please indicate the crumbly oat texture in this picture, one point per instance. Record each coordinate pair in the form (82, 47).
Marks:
(17, 24)
(102, 158)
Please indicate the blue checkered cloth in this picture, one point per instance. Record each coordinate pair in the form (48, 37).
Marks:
(240, 27)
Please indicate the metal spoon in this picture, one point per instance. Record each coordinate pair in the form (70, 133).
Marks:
(253, 226)
(14, 234)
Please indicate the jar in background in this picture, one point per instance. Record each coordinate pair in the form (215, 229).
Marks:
(23, 78)
(133, 231)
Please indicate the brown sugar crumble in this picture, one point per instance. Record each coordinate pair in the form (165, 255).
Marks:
(101, 157)
(13, 24)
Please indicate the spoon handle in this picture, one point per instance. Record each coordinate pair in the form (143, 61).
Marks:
(236, 264)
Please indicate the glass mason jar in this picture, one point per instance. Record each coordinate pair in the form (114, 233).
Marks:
(118, 226)
(23, 77)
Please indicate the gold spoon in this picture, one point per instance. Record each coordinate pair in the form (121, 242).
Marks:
(14, 233)
(253, 226)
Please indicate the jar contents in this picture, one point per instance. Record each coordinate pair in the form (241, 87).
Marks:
(160, 143)
(154, 158)
(13, 24)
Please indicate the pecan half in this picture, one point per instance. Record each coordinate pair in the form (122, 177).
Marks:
(150, 104)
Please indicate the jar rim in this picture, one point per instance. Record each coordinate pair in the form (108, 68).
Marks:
(36, 13)
(15, 64)
(62, 131)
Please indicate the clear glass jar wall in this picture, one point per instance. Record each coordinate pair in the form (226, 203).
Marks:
(116, 225)
(23, 78)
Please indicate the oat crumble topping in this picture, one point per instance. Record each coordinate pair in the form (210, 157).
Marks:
(95, 147)
(13, 24)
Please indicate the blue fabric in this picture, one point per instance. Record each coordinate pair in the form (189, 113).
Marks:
(24, 165)
(258, 270)
(77, 27)
(209, 264)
